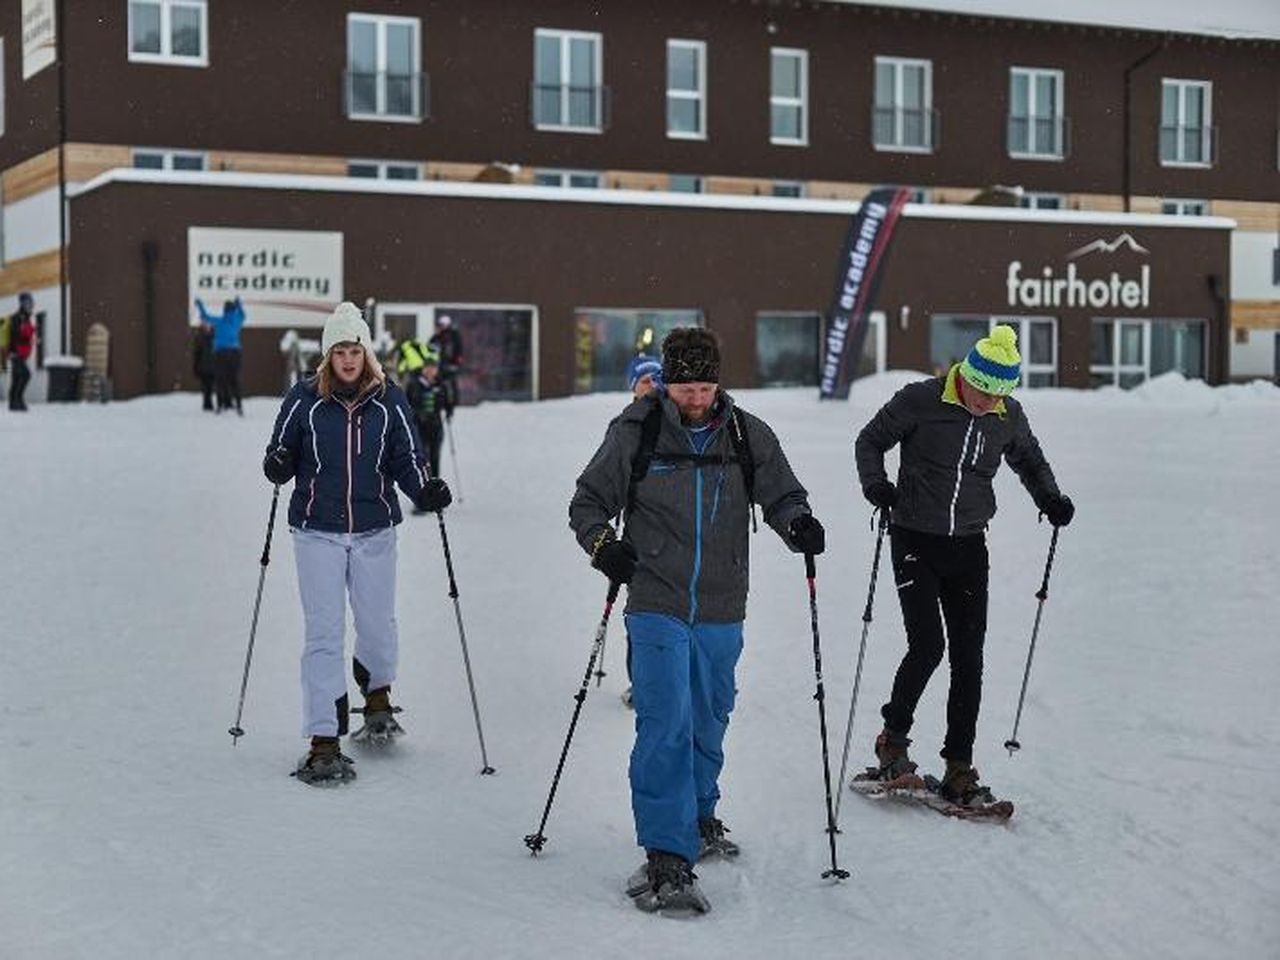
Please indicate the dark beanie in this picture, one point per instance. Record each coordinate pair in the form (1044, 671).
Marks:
(690, 355)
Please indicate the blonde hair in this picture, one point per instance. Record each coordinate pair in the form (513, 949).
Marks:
(371, 377)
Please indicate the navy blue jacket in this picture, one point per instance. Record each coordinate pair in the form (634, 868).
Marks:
(347, 457)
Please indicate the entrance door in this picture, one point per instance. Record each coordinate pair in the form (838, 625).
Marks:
(499, 348)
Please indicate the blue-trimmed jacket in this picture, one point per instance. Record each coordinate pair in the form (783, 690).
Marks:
(347, 455)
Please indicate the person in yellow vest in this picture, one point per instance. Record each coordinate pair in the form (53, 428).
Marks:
(410, 358)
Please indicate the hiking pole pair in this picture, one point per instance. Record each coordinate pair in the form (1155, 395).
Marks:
(462, 636)
(1042, 595)
(536, 841)
(453, 455)
(820, 695)
(236, 730)
(862, 649)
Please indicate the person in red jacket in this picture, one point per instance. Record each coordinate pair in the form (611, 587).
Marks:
(22, 342)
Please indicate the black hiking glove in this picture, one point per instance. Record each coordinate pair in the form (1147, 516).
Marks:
(616, 559)
(435, 496)
(278, 465)
(807, 534)
(882, 494)
(1059, 510)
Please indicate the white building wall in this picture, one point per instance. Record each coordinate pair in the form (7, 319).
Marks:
(1253, 278)
(31, 225)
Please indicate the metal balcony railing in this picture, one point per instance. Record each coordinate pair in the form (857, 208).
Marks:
(1190, 146)
(1048, 137)
(385, 95)
(906, 128)
(566, 107)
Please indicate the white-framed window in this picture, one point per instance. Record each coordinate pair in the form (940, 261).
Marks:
(1186, 123)
(789, 96)
(788, 188)
(951, 336)
(384, 79)
(1127, 352)
(175, 32)
(684, 183)
(1041, 201)
(586, 179)
(150, 158)
(902, 118)
(687, 89)
(384, 170)
(1036, 117)
(567, 69)
(1184, 208)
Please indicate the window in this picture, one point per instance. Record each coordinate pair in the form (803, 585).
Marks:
(384, 79)
(789, 96)
(1185, 208)
(567, 69)
(788, 348)
(687, 89)
(1125, 353)
(168, 160)
(384, 170)
(1041, 201)
(788, 188)
(685, 183)
(169, 31)
(1036, 122)
(951, 337)
(606, 339)
(566, 178)
(902, 118)
(1186, 112)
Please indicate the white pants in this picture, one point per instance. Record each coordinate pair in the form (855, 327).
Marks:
(331, 566)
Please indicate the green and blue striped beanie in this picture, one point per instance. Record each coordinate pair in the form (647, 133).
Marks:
(994, 365)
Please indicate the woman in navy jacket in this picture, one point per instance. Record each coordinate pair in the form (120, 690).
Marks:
(345, 436)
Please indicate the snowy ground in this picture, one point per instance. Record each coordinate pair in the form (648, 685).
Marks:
(1147, 817)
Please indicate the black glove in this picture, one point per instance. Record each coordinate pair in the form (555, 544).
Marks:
(278, 465)
(807, 534)
(616, 559)
(882, 494)
(1059, 510)
(434, 496)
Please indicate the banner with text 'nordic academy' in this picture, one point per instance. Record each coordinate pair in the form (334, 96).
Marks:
(857, 280)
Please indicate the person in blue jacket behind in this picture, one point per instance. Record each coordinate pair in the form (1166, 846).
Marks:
(226, 351)
(345, 436)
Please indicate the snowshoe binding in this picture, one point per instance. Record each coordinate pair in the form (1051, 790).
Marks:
(325, 765)
(666, 884)
(959, 786)
(380, 725)
(895, 762)
(714, 842)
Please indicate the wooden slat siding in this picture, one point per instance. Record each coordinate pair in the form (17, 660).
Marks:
(87, 160)
(740, 186)
(297, 163)
(958, 195)
(635, 180)
(1256, 314)
(29, 273)
(31, 176)
(1143, 204)
(1100, 202)
(1248, 215)
(453, 171)
(836, 190)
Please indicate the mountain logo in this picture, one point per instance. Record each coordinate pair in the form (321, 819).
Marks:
(1103, 246)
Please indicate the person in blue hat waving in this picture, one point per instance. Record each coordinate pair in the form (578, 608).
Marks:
(954, 430)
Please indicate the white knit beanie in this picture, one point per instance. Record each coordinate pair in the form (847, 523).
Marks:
(346, 325)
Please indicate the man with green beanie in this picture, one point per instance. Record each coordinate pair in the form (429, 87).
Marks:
(954, 430)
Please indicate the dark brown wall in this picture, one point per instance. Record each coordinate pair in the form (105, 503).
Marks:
(30, 106)
(560, 256)
(274, 84)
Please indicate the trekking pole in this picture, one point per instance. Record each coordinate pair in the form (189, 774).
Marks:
(862, 649)
(462, 636)
(820, 696)
(1042, 594)
(236, 730)
(536, 841)
(453, 455)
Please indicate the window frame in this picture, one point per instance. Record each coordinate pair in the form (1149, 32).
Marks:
(1206, 134)
(699, 96)
(1058, 114)
(563, 37)
(382, 167)
(380, 22)
(1030, 200)
(1180, 204)
(565, 176)
(898, 145)
(164, 57)
(1022, 324)
(167, 155)
(800, 187)
(801, 102)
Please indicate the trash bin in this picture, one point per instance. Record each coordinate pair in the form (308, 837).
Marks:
(64, 378)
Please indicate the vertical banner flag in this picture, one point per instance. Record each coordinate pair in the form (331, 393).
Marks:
(857, 280)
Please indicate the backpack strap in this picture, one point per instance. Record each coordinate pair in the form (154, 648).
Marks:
(650, 427)
(741, 441)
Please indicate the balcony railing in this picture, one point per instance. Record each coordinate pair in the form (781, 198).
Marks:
(564, 107)
(1047, 137)
(1189, 146)
(386, 96)
(903, 128)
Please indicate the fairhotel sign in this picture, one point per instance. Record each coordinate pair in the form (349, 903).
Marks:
(1078, 286)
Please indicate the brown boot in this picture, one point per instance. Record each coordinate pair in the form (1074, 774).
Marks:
(891, 751)
(960, 785)
(325, 764)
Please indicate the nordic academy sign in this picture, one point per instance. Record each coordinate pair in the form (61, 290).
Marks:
(285, 278)
(1075, 289)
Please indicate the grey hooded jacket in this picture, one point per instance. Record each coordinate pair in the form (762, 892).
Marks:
(689, 522)
(949, 457)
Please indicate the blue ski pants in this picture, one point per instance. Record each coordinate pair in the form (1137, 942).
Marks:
(682, 688)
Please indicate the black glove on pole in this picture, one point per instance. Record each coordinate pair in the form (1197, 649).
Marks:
(536, 841)
(616, 559)
(1060, 510)
(820, 696)
(807, 534)
(278, 465)
(1042, 594)
(882, 494)
(434, 496)
(236, 730)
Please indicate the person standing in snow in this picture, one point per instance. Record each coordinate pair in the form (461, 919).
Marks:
(954, 430)
(447, 342)
(226, 350)
(202, 361)
(683, 553)
(431, 406)
(21, 344)
(344, 435)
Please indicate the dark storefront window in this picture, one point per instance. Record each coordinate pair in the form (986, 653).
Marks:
(497, 344)
(787, 349)
(950, 338)
(1125, 353)
(607, 339)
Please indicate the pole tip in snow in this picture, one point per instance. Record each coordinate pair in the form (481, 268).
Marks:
(535, 843)
(836, 873)
(487, 771)
(1011, 746)
(236, 734)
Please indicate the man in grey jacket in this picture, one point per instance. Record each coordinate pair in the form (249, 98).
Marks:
(686, 469)
(953, 431)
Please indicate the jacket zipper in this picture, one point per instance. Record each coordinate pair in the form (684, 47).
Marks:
(955, 494)
(351, 520)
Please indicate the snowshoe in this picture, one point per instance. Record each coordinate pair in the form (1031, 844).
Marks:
(926, 792)
(891, 753)
(714, 841)
(380, 728)
(325, 765)
(666, 884)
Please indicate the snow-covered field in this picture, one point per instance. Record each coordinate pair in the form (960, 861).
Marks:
(1148, 818)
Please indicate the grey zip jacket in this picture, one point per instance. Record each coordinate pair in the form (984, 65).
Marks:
(689, 522)
(949, 457)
